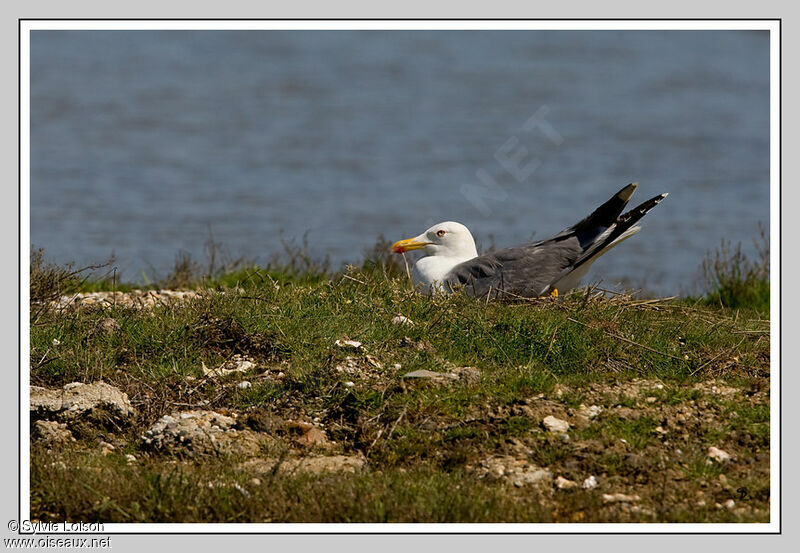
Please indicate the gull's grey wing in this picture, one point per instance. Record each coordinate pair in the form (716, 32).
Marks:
(530, 270)
(521, 271)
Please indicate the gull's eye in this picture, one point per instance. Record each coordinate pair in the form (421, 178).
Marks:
(440, 233)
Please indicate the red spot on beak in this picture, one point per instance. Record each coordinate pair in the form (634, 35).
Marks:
(398, 249)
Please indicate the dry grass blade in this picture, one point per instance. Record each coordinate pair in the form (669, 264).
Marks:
(348, 277)
(408, 271)
(552, 341)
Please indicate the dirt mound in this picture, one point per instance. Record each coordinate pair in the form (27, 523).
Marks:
(77, 399)
(201, 432)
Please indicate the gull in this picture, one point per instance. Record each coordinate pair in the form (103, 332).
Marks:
(541, 268)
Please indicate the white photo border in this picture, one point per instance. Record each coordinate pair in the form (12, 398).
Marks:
(771, 25)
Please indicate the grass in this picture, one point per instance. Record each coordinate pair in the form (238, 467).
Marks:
(49, 281)
(733, 280)
(423, 442)
(639, 433)
(109, 490)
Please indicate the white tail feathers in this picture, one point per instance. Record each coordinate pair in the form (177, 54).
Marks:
(621, 238)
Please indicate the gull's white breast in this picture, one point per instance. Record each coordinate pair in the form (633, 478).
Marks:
(429, 272)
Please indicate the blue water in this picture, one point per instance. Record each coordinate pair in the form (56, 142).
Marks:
(142, 141)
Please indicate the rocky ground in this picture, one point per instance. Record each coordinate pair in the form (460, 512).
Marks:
(493, 441)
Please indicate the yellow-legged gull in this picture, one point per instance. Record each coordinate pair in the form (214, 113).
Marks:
(535, 269)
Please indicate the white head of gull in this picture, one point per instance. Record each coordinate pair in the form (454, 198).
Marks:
(445, 245)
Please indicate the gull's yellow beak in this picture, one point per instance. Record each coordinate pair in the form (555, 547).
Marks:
(407, 245)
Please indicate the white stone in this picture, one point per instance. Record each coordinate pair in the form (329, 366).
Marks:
(590, 412)
(564, 483)
(401, 320)
(718, 455)
(555, 425)
(243, 385)
(244, 366)
(589, 483)
(235, 365)
(424, 373)
(619, 498)
(348, 344)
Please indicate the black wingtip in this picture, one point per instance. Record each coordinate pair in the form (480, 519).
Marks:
(604, 216)
(640, 210)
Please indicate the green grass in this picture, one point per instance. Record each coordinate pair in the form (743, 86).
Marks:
(298, 324)
(675, 395)
(421, 440)
(639, 433)
(751, 420)
(735, 281)
(182, 494)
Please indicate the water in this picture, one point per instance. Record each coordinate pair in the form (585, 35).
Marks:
(142, 141)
